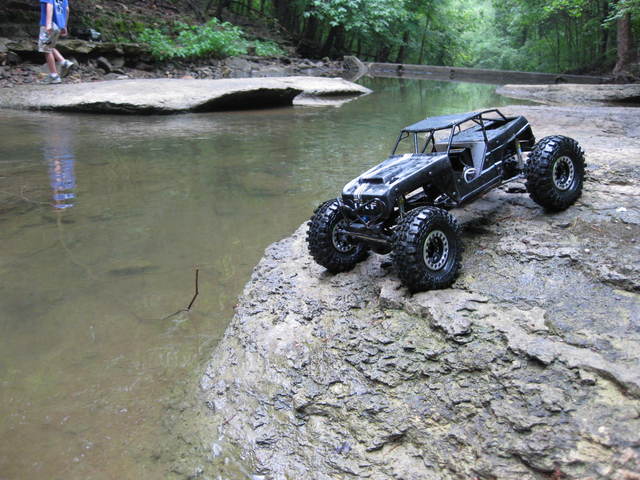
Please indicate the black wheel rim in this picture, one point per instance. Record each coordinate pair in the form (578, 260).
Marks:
(341, 241)
(564, 173)
(435, 252)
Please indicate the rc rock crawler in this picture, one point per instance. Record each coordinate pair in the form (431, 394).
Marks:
(401, 205)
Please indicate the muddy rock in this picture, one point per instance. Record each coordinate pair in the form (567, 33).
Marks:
(240, 66)
(527, 367)
(104, 64)
(3, 48)
(22, 46)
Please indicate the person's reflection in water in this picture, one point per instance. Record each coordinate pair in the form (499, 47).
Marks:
(58, 153)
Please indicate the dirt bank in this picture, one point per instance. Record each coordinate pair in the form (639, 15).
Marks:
(527, 368)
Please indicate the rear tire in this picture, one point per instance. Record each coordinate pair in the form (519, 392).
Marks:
(427, 249)
(555, 172)
(333, 250)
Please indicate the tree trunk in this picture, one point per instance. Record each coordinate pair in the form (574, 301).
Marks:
(311, 29)
(383, 53)
(423, 41)
(208, 6)
(308, 46)
(403, 47)
(283, 13)
(604, 39)
(196, 9)
(338, 44)
(557, 50)
(222, 4)
(625, 44)
(328, 43)
(349, 46)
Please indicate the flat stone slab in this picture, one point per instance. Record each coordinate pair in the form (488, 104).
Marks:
(166, 96)
(574, 94)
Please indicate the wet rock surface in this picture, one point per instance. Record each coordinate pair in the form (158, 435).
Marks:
(528, 367)
(571, 94)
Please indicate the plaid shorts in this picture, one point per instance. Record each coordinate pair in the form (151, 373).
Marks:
(46, 41)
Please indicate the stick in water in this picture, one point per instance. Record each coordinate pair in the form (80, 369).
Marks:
(196, 294)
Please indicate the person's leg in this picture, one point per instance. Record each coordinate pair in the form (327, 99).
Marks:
(64, 66)
(51, 62)
(45, 45)
(57, 55)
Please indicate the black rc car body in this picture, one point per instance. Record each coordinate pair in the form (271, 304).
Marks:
(401, 205)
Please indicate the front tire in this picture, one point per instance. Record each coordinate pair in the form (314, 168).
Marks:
(555, 172)
(335, 251)
(427, 249)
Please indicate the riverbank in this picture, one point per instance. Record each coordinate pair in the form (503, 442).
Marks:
(109, 62)
(526, 368)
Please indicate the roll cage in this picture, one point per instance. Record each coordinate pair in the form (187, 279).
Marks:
(453, 123)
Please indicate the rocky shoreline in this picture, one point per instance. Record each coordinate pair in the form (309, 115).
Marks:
(527, 367)
(572, 94)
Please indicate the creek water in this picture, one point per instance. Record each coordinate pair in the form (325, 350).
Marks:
(103, 223)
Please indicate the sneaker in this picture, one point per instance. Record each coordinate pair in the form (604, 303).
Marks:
(65, 67)
(51, 79)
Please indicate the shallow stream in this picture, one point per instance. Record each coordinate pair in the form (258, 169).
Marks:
(103, 223)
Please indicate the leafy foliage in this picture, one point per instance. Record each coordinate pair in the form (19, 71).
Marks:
(360, 16)
(214, 38)
(267, 48)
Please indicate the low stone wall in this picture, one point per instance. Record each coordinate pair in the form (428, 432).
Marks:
(498, 77)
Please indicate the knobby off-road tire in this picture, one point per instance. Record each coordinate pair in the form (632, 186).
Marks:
(555, 172)
(427, 249)
(331, 249)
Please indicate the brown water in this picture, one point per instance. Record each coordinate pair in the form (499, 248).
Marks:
(103, 221)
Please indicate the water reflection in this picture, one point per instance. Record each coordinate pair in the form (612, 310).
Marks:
(58, 153)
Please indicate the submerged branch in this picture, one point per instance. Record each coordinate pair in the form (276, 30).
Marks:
(196, 293)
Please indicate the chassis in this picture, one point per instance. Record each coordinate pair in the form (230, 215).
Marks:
(401, 205)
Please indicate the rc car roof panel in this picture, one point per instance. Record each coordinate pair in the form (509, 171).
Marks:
(444, 121)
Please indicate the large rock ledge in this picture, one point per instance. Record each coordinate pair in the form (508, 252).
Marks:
(163, 96)
(527, 368)
(572, 94)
